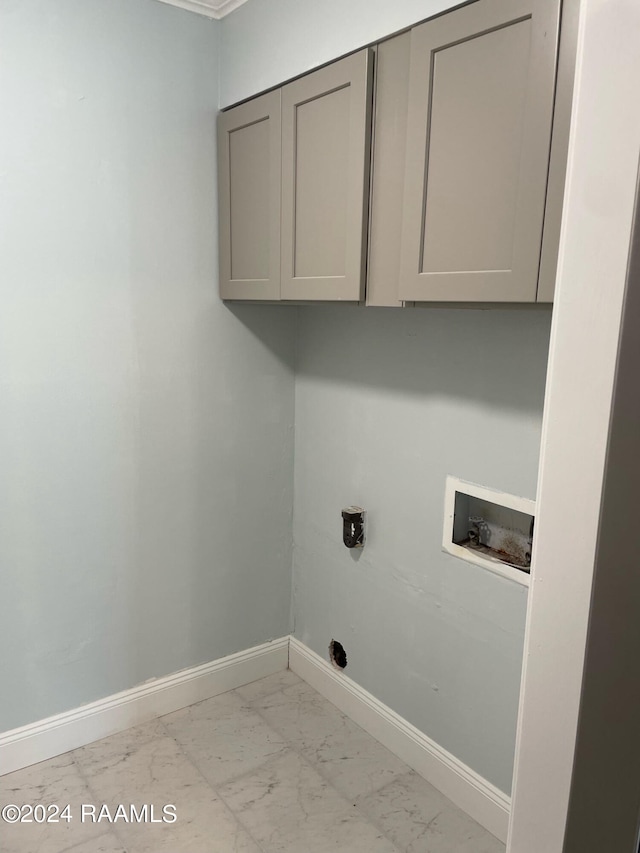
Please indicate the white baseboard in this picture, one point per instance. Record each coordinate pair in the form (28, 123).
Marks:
(477, 797)
(47, 738)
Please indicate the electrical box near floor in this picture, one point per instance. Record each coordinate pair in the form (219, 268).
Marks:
(489, 528)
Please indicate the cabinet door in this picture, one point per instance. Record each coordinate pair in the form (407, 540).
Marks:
(479, 126)
(387, 170)
(249, 199)
(326, 119)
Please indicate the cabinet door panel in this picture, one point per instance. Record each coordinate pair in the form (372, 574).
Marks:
(321, 192)
(249, 193)
(325, 160)
(479, 126)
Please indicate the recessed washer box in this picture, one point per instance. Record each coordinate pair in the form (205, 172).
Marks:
(489, 528)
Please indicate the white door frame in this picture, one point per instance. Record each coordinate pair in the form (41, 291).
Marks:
(585, 588)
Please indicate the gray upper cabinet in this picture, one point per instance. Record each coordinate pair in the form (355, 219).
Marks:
(438, 181)
(480, 111)
(249, 199)
(325, 181)
(387, 170)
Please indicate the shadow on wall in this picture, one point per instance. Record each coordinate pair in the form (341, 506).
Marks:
(214, 487)
(271, 324)
(495, 356)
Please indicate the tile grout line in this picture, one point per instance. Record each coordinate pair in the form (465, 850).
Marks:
(409, 770)
(354, 805)
(293, 750)
(307, 761)
(209, 785)
(97, 838)
(248, 702)
(113, 827)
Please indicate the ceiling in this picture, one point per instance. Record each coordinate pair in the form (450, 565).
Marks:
(209, 8)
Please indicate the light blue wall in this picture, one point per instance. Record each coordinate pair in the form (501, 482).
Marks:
(388, 402)
(146, 429)
(266, 42)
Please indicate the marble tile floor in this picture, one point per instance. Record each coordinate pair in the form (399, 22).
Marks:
(269, 768)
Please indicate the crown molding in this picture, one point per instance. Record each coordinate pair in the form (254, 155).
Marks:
(209, 8)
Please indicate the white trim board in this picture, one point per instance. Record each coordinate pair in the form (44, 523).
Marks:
(55, 735)
(209, 8)
(475, 795)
